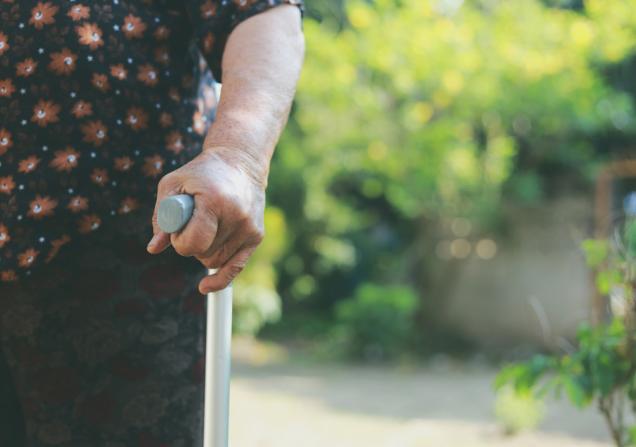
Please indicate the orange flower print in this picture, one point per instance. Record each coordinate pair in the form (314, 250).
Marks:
(100, 81)
(208, 9)
(90, 35)
(133, 27)
(41, 207)
(79, 12)
(118, 72)
(77, 204)
(162, 33)
(173, 94)
(242, 5)
(63, 62)
(56, 244)
(148, 75)
(4, 235)
(153, 166)
(95, 132)
(45, 112)
(65, 160)
(123, 164)
(26, 68)
(6, 184)
(136, 118)
(27, 257)
(89, 223)
(82, 109)
(199, 122)
(99, 176)
(174, 142)
(165, 119)
(8, 276)
(43, 14)
(5, 141)
(6, 88)
(208, 43)
(4, 43)
(28, 164)
(127, 205)
(162, 56)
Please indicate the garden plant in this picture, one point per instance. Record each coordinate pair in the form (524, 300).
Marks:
(601, 369)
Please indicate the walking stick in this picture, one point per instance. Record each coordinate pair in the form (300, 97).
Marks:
(173, 214)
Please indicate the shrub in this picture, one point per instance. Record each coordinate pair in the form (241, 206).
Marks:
(256, 300)
(377, 321)
(518, 411)
(602, 368)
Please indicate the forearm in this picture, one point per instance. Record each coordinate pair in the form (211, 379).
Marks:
(261, 65)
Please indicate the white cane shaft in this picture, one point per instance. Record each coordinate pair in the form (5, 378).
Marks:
(217, 368)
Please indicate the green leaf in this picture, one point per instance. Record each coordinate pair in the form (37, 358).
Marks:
(606, 279)
(575, 392)
(596, 251)
(632, 434)
(630, 239)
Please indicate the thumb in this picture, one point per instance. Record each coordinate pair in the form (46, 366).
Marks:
(160, 239)
(159, 242)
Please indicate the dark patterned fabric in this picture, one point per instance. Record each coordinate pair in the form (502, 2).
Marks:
(106, 345)
(98, 100)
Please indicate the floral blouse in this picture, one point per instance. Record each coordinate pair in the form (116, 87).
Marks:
(98, 100)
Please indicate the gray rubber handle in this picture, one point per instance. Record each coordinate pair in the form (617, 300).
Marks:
(175, 212)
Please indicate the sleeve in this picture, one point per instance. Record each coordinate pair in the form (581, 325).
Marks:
(213, 20)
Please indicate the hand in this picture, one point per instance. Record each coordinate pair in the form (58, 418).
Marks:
(227, 222)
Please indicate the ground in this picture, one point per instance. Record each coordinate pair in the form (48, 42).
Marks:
(276, 402)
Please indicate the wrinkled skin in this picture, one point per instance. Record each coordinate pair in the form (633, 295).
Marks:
(261, 66)
(227, 222)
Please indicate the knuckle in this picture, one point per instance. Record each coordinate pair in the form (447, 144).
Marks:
(193, 241)
(259, 235)
(242, 220)
(182, 248)
(165, 183)
(244, 215)
(250, 226)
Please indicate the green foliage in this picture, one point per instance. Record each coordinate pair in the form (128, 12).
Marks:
(602, 369)
(595, 252)
(409, 114)
(630, 239)
(452, 92)
(376, 321)
(517, 411)
(256, 301)
(594, 370)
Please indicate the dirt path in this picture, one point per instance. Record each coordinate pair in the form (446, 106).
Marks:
(290, 405)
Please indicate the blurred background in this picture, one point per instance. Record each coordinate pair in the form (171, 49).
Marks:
(443, 163)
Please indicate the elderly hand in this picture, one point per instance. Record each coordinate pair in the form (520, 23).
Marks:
(227, 222)
(261, 65)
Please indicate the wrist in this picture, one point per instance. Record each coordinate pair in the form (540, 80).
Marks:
(243, 139)
(254, 167)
